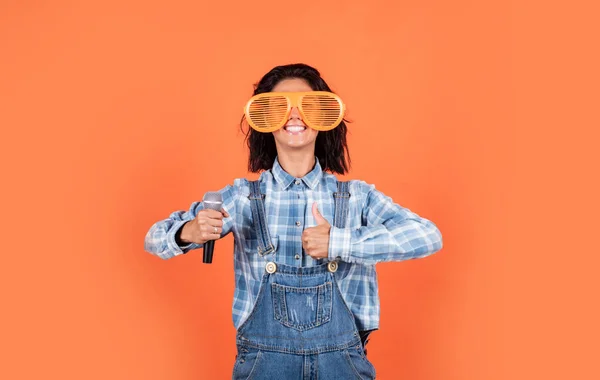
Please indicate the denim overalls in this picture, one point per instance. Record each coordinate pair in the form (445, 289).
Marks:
(300, 327)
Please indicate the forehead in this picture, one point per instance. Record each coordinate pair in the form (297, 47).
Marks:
(292, 85)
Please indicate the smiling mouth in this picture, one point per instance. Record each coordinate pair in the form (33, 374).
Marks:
(295, 129)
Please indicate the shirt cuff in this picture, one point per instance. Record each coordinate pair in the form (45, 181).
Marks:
(172, 244)
(339, 244)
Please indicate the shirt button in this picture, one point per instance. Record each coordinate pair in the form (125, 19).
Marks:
(297, 257)
(298, 224)
(297, 182)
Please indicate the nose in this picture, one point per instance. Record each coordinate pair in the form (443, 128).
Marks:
(295, 114)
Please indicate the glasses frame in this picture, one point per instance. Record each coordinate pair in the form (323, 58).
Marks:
(294, 99)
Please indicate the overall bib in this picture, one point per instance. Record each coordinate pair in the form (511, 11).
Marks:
(300, 327)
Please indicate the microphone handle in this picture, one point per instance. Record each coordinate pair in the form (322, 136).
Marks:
(209, 246)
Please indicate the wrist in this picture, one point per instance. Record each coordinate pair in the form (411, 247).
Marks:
(182, 235)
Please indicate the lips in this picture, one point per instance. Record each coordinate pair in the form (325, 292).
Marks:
(295, 129)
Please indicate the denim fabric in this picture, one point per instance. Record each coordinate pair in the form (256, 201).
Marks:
(300, 328)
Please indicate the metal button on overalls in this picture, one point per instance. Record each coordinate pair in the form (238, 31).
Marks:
(271, 267)
(332, 266)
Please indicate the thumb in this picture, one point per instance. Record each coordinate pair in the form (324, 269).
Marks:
(318, 217)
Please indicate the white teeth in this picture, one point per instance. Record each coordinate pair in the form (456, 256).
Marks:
(294, 129)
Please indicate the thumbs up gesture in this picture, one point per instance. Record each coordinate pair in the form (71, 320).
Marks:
(315, 240)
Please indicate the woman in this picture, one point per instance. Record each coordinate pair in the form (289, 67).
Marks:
(306, 245)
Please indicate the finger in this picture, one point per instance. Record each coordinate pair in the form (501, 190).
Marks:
(211, 231)
(313, 254)
(210, 228)
(318, 217)
(208, 224)
(305, 245)
(214, 222)
(225, 213)
(212, 214)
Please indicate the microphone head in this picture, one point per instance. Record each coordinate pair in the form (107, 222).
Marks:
(213, 200)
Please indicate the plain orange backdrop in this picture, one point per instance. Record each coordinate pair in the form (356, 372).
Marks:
(116, 113)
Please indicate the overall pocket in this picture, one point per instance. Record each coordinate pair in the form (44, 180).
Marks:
(302, 308)
(246, 364)
(361, 366)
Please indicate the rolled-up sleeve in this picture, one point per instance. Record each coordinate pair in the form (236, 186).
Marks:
(160, 238)
(389, 232)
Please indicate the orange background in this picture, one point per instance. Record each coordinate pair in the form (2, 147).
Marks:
(476, 115)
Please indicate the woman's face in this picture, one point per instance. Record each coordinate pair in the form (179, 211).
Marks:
(294, 135)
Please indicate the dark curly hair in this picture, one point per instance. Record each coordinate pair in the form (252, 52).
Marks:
(331, 147)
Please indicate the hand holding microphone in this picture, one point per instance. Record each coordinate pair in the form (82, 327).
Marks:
(207, 226)
(213, 202)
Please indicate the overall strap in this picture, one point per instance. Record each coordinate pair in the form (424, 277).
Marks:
(260, 220)
(342, 198)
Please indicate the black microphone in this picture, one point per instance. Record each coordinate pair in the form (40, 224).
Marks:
(212, 201)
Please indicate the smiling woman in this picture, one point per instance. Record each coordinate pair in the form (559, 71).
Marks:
(308, 315)
(294, 135)
(330, 146)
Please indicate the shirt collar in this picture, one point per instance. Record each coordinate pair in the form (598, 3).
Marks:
(285, 179)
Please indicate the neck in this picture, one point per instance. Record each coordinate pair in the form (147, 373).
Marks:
(296, 164)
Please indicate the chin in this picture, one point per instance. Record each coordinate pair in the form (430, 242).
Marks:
(295, 145)
(299, 145)
(306, 140)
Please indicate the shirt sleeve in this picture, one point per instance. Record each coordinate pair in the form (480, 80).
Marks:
(160, 239)
(389, 232)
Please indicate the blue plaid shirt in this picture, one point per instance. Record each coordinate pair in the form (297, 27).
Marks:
(377, 230)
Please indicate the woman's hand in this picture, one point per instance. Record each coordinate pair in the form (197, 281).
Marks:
(207, 225)
(315, 240)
